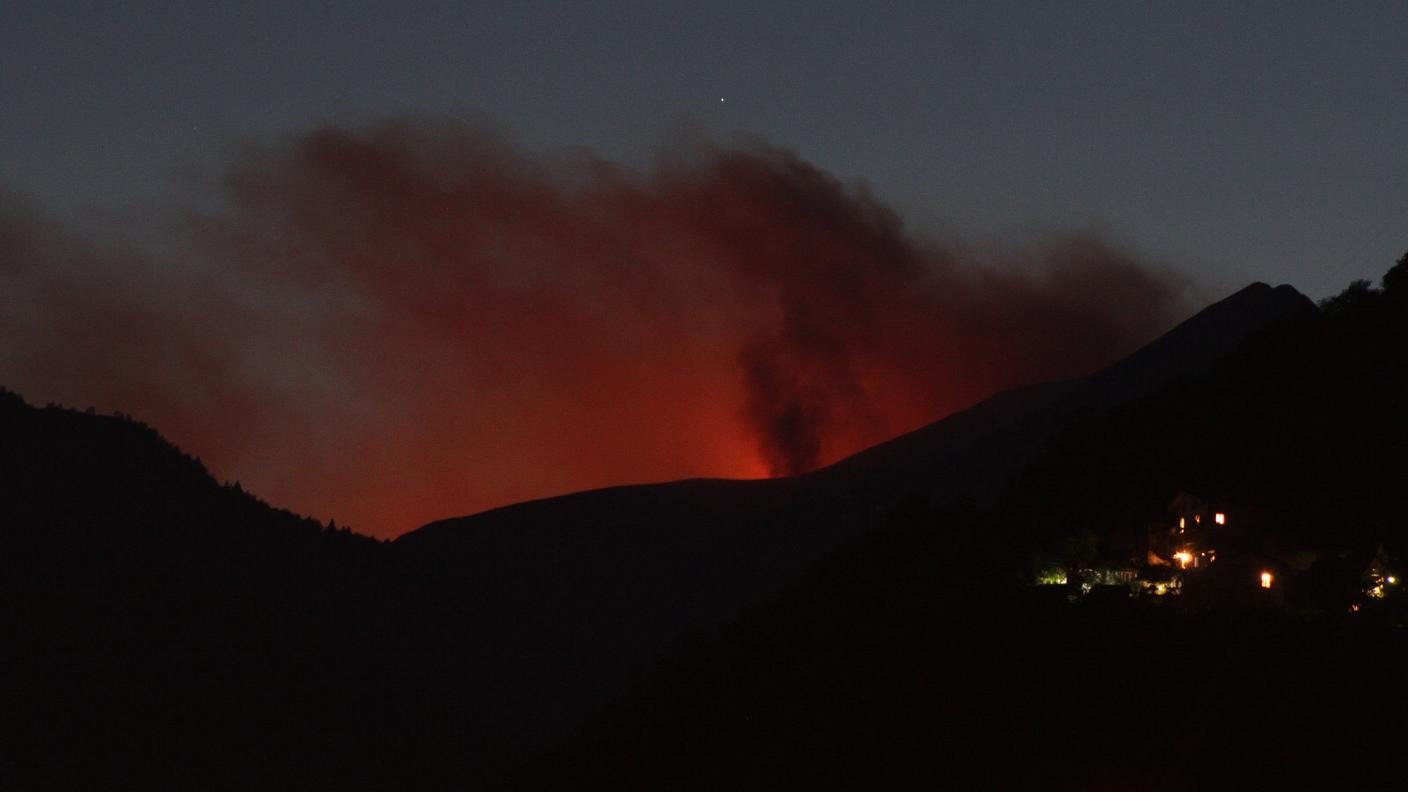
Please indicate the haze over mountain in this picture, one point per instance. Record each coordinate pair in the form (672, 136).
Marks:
(435, 320)
(468, 645)
(677, 396)
(609, 577)
(919, 653)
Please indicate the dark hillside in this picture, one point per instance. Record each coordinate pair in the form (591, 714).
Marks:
(1189, 350)
(159, 625)
(1303, 434)
(176, 631)
(606, 581)
(919, 653)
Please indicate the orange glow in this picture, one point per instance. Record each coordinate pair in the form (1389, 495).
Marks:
(1198, 518)
(1184, 558)
(1266, 580)
(502, 327)
(1220, 518)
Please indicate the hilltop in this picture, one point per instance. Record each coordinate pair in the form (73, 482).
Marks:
(770, 632)
(921, 652)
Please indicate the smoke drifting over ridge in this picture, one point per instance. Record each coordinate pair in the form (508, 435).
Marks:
(415, 320)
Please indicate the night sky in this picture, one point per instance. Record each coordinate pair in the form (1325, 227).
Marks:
(394, 262)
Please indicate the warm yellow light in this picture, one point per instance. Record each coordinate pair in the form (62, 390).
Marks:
(1182, 522)
(1220, 518)
(1391, 579)
(1266, 580)
(1184, 558)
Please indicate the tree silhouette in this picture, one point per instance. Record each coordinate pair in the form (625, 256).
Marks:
(1353, 300)
(1395, 281)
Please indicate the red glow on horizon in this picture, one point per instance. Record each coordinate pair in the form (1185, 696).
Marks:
(416, 320)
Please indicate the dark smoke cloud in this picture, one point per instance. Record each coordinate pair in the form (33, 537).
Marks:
(413, 320)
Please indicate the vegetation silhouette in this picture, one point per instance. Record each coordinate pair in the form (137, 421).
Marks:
(869, 623)
(918, 652)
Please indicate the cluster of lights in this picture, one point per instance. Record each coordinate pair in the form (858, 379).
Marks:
(1218, 517)
(1186, 557)
(1377, 589)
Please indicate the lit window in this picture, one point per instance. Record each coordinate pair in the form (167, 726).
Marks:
(1184, 558)
(1266, 580)
(1220, 518)
(1182, 522)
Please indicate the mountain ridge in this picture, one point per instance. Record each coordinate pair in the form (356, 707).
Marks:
(616, 576)
(479, 640)
(1226, 323)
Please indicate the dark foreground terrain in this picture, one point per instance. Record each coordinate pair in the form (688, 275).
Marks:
(870, 624)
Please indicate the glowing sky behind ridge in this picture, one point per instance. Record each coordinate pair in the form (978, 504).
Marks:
(393, 262)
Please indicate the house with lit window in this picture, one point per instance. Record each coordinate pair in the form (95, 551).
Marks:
(1186, 537)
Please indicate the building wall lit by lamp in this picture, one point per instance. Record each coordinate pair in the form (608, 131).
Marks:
(1266, 580)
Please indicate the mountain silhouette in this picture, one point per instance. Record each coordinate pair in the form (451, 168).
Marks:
(156, 621)
(608, 579)
(924, 459)
(918, 653)
(181, 631)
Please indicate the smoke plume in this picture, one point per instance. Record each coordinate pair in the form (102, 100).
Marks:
(417, 319)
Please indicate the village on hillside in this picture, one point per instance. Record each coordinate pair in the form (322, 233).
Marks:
(1197, 554)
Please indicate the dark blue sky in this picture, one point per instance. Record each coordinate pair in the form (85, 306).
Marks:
(1261, 141)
